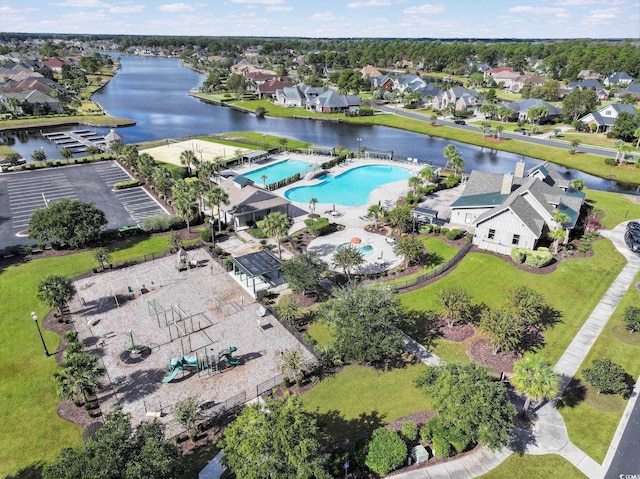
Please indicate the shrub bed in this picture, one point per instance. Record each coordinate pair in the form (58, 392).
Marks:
(158, 223)
(122, 185)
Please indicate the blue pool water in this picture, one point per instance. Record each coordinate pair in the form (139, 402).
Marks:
(351, 188)
(277, 171)
(366, 250)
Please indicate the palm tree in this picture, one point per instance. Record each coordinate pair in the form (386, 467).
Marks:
(66, 153)
(457, 164)
(485, 125)
(216, 196)
(292, 363)
(427, 173)
(414, 182)
(376, 212)
(187, 158)
(56, 291)
(499, 129)
(102, 256)
(198, 188)
(162, 179)
(348, 258)
(578, 184)
(185, 207)
(288, 309)
(557, 235)
(264, 177)
(78, 376)
(534, 376)
(449, 152)
(206, 170)
(312, 204)
(92, 150)
(275, 224)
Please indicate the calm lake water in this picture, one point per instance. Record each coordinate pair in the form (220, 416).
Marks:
(154, 93)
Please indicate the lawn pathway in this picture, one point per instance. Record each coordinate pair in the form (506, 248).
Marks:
(549, 434)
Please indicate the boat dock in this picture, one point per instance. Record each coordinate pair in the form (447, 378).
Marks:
(77, 140)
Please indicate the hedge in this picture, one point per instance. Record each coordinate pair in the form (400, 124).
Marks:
(538, 259)
(518, 255)
(158, 223)
(285, 182)
(121, 185)
(331, 163)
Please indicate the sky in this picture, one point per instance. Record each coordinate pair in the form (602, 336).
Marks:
(329, 18)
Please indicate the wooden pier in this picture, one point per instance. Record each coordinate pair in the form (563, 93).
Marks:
(77, 140)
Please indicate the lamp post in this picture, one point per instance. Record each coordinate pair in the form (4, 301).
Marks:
(359, 140)
(35, 319)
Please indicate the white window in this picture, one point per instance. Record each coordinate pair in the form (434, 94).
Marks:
(491, 235)
(468, 218)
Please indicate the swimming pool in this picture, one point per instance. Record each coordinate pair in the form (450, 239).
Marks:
(277, 171)
(351, 188)
(366, 249)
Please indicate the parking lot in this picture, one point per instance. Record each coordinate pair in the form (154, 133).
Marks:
(22, 193)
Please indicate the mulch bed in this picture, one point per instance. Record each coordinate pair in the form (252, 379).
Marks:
(457, 333)
(481, 352)
(420, 418)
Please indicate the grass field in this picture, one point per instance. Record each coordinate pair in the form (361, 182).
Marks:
(534, 467)
(593, 421)
(32, 432)
(617, 207)
(359, 399)
(574, 289)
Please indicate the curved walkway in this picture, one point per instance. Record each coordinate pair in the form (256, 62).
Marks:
(549, 435)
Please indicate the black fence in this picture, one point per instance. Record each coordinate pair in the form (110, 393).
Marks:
(436, 272)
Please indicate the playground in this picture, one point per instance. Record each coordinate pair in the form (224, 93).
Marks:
(166, 333)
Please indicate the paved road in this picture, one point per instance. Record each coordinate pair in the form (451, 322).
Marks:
(505, 134)
(23, 192)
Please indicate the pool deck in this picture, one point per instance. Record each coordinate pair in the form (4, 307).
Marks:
(354, 218)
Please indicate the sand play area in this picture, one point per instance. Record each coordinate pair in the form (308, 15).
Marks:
(204, 151)
(139, 318)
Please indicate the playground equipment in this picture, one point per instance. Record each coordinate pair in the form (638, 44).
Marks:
(227, 355)
(178, 364)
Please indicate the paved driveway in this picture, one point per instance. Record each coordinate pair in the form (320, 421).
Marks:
(22, 193)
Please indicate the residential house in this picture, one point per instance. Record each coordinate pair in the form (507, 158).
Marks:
(508, 211)
(408, 82)
(461, 98)
(633, 90)
(298, 95)
(370, 71)
(621, 79)
(528, 78)
(332, 102)
(269, 89)
(604, 118)
(491, 72)
(382, 82)
(248, 203)
(521, 109)
(33, 97)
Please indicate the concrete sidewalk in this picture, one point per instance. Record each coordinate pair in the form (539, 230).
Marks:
(549, 434)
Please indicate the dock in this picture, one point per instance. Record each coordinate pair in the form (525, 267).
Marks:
(77, 140)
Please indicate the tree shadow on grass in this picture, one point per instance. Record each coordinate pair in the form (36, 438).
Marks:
(431, 260)
(573, 395)
(337, 428)
(30, 472)
(423, 327)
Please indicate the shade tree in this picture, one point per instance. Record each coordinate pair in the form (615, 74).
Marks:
(367, 321)
(303, 272)
(607, 377)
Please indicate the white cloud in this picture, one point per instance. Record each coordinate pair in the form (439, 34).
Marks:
(602, 16)
(260, 2)
(83, 4)
(176, 7)
(426, 9)
(577, 3)
(127, 9)
(326, 16)
(370, 3)
(541, 11)
(279, 9)
(82, 18)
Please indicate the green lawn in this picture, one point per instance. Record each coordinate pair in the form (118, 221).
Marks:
(33, 431)
(598, 139)
(250, 139)
(359, 399)
(593, 421)
(63, 120)
(617, 207)
(439, 253)
(574, 288)
(321, 331)
(279, 111)
(534, 467)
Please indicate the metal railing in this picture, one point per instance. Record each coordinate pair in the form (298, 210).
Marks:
(399, 286)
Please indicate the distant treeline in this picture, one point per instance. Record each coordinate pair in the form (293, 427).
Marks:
(563, 59)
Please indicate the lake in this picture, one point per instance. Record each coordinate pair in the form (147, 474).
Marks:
(154, 92)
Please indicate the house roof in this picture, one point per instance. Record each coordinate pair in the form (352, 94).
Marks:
(258, 263)
(248, 198)
(523, 106)
(634, 89)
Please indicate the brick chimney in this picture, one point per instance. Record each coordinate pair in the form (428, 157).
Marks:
(519, 169)
(507, 181)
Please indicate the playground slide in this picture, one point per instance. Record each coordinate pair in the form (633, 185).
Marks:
(190, 360)
(171, 376)
(231, 360)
